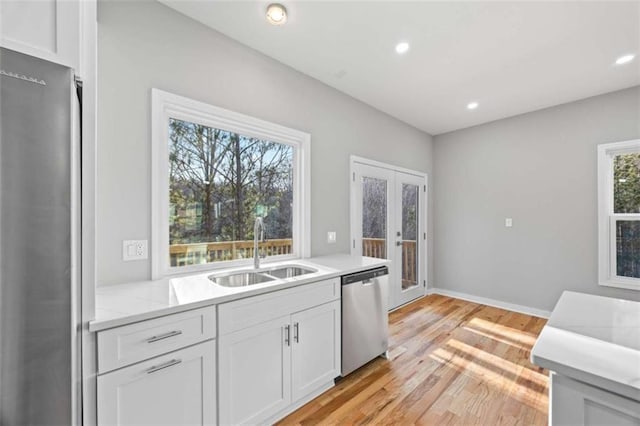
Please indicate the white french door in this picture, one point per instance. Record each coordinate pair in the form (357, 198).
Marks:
(388, 221)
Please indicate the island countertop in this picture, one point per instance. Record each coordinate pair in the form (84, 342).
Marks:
(595, 340)
(122, 304)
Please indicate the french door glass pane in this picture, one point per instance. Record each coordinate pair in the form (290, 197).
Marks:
(409, 236)
(626, 183)
(374, 217)
(628, 248)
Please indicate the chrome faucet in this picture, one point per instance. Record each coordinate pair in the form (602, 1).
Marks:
(257, 226)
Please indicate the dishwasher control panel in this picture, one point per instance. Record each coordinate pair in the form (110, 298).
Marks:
(365, 275)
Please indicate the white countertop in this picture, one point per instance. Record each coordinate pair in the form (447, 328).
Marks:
(122, 304)
(593, 339)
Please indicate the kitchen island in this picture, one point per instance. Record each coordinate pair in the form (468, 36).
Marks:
(591, 345)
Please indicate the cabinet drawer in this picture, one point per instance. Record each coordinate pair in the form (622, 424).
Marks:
(121, 346)
(244, 313)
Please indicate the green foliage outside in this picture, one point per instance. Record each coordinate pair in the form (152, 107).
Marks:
(626, 200)
(626, 186)
(217, 181)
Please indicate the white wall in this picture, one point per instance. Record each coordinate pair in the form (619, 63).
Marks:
(143, 44)
(539, 169)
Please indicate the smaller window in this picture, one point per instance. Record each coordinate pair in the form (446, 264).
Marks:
(619, 214)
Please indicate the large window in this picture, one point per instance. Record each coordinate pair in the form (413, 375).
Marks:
(215, 172)
(619, 214)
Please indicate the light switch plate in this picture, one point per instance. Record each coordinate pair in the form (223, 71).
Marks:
(134, 250)
(331, 237)
(508, 222)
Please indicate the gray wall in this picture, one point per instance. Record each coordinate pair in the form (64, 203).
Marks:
(540, 169)
(143, 45)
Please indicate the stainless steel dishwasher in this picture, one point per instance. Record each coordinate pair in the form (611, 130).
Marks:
(365, 320)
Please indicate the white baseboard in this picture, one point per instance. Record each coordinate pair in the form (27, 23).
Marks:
(491, 302)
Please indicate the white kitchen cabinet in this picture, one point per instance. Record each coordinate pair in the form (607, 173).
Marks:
(315, 348)
(178, 388)
(277, 350)
(160, 371)
(255, 372)
(267, 367)
(47, 29)
(577, 403)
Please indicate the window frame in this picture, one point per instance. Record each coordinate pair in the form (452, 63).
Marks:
(607, 219)
(165, 105)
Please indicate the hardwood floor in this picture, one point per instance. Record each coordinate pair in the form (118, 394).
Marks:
(451, 362)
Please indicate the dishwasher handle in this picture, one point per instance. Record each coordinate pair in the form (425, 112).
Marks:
(364, 275)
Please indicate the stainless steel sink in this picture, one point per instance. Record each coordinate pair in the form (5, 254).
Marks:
(289, 271)
(246, 278)
(241, 279)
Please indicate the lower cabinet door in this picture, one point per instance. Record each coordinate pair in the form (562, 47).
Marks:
(255, 372)
(174, 389)
(577, 403)
(316, 348)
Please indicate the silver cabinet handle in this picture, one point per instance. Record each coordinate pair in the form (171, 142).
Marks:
(164, 336)
(163, 366)
(296, 332)
(287, 335)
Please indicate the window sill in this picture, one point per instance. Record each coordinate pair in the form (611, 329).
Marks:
(628, 285)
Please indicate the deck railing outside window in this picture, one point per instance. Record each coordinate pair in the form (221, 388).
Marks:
(199, 253)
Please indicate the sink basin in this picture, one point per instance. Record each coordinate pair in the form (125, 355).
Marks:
(241, 279)
(289, 271)
(246, 278)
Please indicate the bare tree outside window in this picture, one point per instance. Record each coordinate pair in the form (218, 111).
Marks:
(218, 182)
(374, 217)
(409, 235)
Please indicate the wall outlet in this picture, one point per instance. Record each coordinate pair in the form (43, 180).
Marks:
(331, 237)
(508, 222)
(134, 250)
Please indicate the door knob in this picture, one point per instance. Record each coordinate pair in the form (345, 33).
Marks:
(398, 243)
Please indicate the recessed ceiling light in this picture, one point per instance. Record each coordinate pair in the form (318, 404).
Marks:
(402, 47)
(276, 14)
(625, 59)
(472, 105)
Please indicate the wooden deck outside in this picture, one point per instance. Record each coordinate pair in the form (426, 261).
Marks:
(451, 362)
(376, 247)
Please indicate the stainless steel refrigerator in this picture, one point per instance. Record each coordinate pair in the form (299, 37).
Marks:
(39, 242)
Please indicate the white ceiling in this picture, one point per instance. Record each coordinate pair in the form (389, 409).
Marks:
(511, 57)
